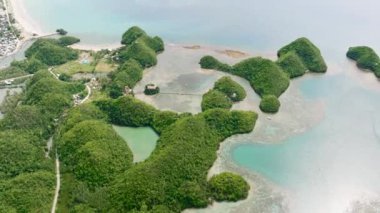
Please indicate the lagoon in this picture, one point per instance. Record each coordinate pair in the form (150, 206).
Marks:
(141, 141)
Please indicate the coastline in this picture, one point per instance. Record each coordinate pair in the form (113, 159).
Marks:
(24, 21)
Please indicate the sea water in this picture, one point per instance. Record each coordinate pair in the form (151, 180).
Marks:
(248, 24)
(331, 166)
(323, 147)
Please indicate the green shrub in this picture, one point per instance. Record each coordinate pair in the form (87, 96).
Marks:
(68, 40)
(292, 65)
(115, 91)
(155, 43)
(215, 99)
(270, 104)
(163, 119)
(49, 52)
(128, 111)
(265, 76)
(81, 113)
(128, 74)
(31, 65)
(232, 89)
(226, 124)
(140, 52)
(308, 53)
(100, 161)
(24, 117)
(19, 153)
(11, 72)
(64, 77)
(209, 62)
(228, 187)
(192, 195)
(85, 131)
(29, 192)
(131, 35)
(54, 103)
(43, 84)
(366, 58)
(38, 76)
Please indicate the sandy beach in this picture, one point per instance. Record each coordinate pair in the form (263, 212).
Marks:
(24, 20)
(30, 27)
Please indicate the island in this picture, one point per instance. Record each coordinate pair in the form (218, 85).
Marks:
(270, 104)
(269, 78)
(366, 58)
(60, 128)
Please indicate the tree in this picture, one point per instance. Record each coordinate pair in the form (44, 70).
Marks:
(228, 187)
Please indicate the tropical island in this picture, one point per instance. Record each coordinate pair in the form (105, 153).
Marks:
(271, 79)
(60, 125)
(366, 58)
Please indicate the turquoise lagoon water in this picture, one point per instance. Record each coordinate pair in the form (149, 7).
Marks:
(331, 164)
(323, 169)
(141, 141)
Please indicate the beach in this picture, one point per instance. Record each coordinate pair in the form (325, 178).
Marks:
(24, 20)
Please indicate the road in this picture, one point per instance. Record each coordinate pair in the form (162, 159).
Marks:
(15, 78)
(58, 184)
(57, 163)
(89, 91)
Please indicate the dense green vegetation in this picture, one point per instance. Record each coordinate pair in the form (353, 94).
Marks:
(292, 64)
(68, 40)
(366, 58)
(140, 46)
(307, 52)
(209, 62)
(270, 104)
(27, 179)
(163, 119)
(28, 192)
(270, 78)
(140, 51)
(175, 174)
(215, 99)
(50, 52)
(94, 152)
(31, 66)
(51, 93)
(98, 174)
(20, 152)
(265, 76)
(173, 178)
(128, 74)
(128, 111)
(232, 89)
(11, 72)
(228, 187)
(131, 35)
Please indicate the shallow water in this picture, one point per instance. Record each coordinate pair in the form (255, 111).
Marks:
(141, 141)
